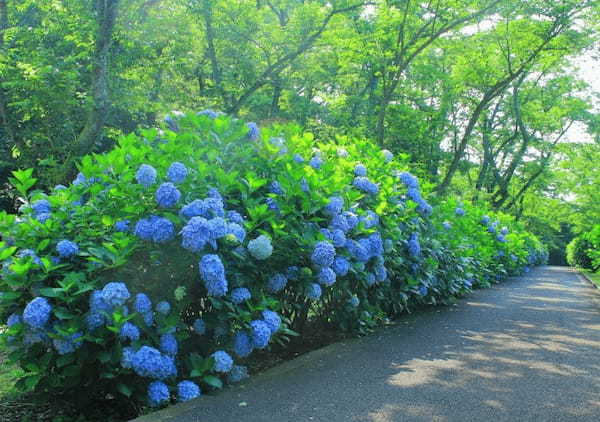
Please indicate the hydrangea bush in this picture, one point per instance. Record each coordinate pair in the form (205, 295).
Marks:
(174, 257)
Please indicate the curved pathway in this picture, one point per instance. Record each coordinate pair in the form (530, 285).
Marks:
(525, 350)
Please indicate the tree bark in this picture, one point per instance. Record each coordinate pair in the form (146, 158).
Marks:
(4, 112)
(92, 132)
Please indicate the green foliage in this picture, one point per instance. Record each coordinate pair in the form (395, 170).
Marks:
(389, 275)
(578, 253)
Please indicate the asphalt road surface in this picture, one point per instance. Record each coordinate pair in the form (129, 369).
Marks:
(525, 350)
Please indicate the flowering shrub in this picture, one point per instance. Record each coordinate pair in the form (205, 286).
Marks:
(172, 258)
(584, 250)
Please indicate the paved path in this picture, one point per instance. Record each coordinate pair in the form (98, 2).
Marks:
(525, 350)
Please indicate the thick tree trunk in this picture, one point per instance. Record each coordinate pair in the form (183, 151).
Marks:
(7, 125)
(106, 16)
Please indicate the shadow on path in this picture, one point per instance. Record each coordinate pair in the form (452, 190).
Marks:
(524, 350)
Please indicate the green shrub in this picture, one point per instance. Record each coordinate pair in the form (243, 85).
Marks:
(142, 279)
(578, 253)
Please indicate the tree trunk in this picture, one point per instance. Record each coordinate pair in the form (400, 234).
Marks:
(4, 116)
(90, 135)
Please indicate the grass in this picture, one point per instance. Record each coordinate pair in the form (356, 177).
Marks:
(594, 277)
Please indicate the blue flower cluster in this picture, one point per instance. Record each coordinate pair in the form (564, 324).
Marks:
(240, 295)
(365, 185)
(414, 193)
(323, 254)
(313, 291)
(187, 390)
(261, 334)
(242, 344)
(146, 175)
(37, 312)
(277, 283)
(212, 273)
(67, 249)
(42, 210)
(167, 195)
(151, 363)
(237, 374)
(272, 320)
(414, 248)
(260, 248)
(115, 294)
(253, 131)
(177, 172)
(158, 393)
(223, 362)
(155, 229)
(360, 170)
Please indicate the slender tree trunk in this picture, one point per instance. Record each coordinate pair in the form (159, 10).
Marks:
(106, 16)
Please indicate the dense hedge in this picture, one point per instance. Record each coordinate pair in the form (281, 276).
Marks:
(584, 250)
(168, 260)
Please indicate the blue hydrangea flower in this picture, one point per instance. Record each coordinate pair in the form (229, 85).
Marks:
(146, 175)
(261, 334)
(276, 283)
(212, 273)
(380, 273)
(387, 155)
(209, 113)
(235, 217)
(149, 362)
(98, 304)
(41, 206)
(199, 326)
(323, 254)
(447, 225)
(500, 238)
(122, 226)
(196, 234)
(292, 272)
(409, 180)
(354, 301)
(304, 185)
(158, 393)
(276, 188)
(148, 318)
(414, 195)
(370, 220)
(25, 253)
(335, 206)
(167, 195)
(272, 204)
(187, 390)
(459, 211)
(66, 248)
(94, 320)
(313, 291)
(115, 294)
(79, 179)
(126, 357)
(129, 332)
(242, 344)
(37, 312)
(260, 248)
(371, 279)
(351, 220)
(298, 158)
(177, 172)
(163, 307)
(414, 248)
(365, 185)
(13, 320)
(168, 344)
(342, 153)
(237, 374)
(240, 295)
(67, 345)
(253, 131)
(375, 244)
(316, 162)
(338, 237)
(238, 231)
(341, 266)
(504, 231)
(42, 218)
(59, 187)
(340, 222)
(34, 337)
(357, 250)
(223, 362)
(485, 219)
(272, 320)
(423, 291)
(424, 208)
(156, 229)
(360, 170)
(142, 303)
(491, 229)
(326, 276)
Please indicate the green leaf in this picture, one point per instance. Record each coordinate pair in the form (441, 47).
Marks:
(124, 389)
(213, 381)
